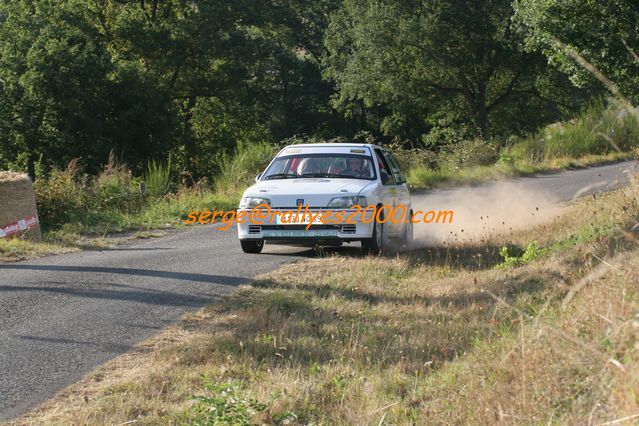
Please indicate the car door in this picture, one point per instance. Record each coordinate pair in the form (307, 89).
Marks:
(389, 192)
(400, 180)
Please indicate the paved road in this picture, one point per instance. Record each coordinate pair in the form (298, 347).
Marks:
(62, 316)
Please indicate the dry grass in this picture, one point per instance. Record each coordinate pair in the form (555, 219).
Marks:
(9, 176)
(438, 336)
(15, 249)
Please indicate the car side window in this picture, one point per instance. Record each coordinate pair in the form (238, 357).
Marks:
(397, 173)
(384, 168)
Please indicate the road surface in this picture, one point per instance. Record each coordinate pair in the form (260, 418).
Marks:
(62, 316)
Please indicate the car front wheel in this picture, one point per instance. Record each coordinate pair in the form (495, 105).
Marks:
(374, 244)
(252, 246)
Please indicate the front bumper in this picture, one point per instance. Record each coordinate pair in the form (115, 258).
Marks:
(272, 229)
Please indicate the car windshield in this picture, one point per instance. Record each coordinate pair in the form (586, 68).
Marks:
(345, 166)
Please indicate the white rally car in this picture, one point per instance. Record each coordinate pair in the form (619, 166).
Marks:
(316, 178)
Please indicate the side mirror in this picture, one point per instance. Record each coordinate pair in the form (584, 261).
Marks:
(386, 179)
(257, 178)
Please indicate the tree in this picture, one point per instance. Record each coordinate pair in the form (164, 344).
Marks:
(234, 70)
(52, 80)
(589, 40)
(441, 63)
(80, 78)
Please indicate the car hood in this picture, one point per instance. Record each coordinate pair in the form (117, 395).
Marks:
(314, 192)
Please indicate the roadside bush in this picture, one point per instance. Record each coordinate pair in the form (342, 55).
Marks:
(414, 158)
(62, 197)
(601, 130)
(469, 153)
(70, 197)
(115, 188)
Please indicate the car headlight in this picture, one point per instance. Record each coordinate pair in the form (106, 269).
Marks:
(347, 202)
(250, 202)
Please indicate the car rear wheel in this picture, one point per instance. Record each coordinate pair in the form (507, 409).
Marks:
(407, 237)
(252, 246)
(375, 244)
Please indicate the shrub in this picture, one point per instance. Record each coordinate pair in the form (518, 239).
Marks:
(414, 158)
(469, 153)
(62, 197)
(114, 187)
(530, 253)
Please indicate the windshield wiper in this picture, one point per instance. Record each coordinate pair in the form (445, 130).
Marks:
(281, 176)
(314, 175)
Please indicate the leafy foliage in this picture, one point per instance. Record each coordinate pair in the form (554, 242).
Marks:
(604, 34)
(227, 404)
(531, 252)
(82, 78)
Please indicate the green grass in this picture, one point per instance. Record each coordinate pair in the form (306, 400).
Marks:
(99, 228)
(166, 212)
(239, 171)
(15, 249)
(158, 178)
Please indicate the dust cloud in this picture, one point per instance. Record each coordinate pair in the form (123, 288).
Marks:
(482, 212)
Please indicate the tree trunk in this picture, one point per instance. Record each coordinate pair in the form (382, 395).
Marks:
(481, 110)
(481, 118)
(476, 100)
(31, 171)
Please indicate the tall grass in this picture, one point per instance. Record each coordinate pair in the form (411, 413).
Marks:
(599, 130)
(603, 132)
(71, 202)
(239, 171)
(158, 178)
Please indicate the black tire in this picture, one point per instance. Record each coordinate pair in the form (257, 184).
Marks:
(375, 244)
(407, 236)
(252, 246)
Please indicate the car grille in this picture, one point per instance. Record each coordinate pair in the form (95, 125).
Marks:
(349, 229)
(298, 227)
(254, 229)
(294, 208)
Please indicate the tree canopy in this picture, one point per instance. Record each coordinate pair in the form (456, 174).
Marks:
(584, 38)
(193, 79)
(438, 64)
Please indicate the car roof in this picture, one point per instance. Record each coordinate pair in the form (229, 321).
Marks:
(333, 145)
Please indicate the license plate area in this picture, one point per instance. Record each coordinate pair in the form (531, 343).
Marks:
(299, 233)
(298, 219)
